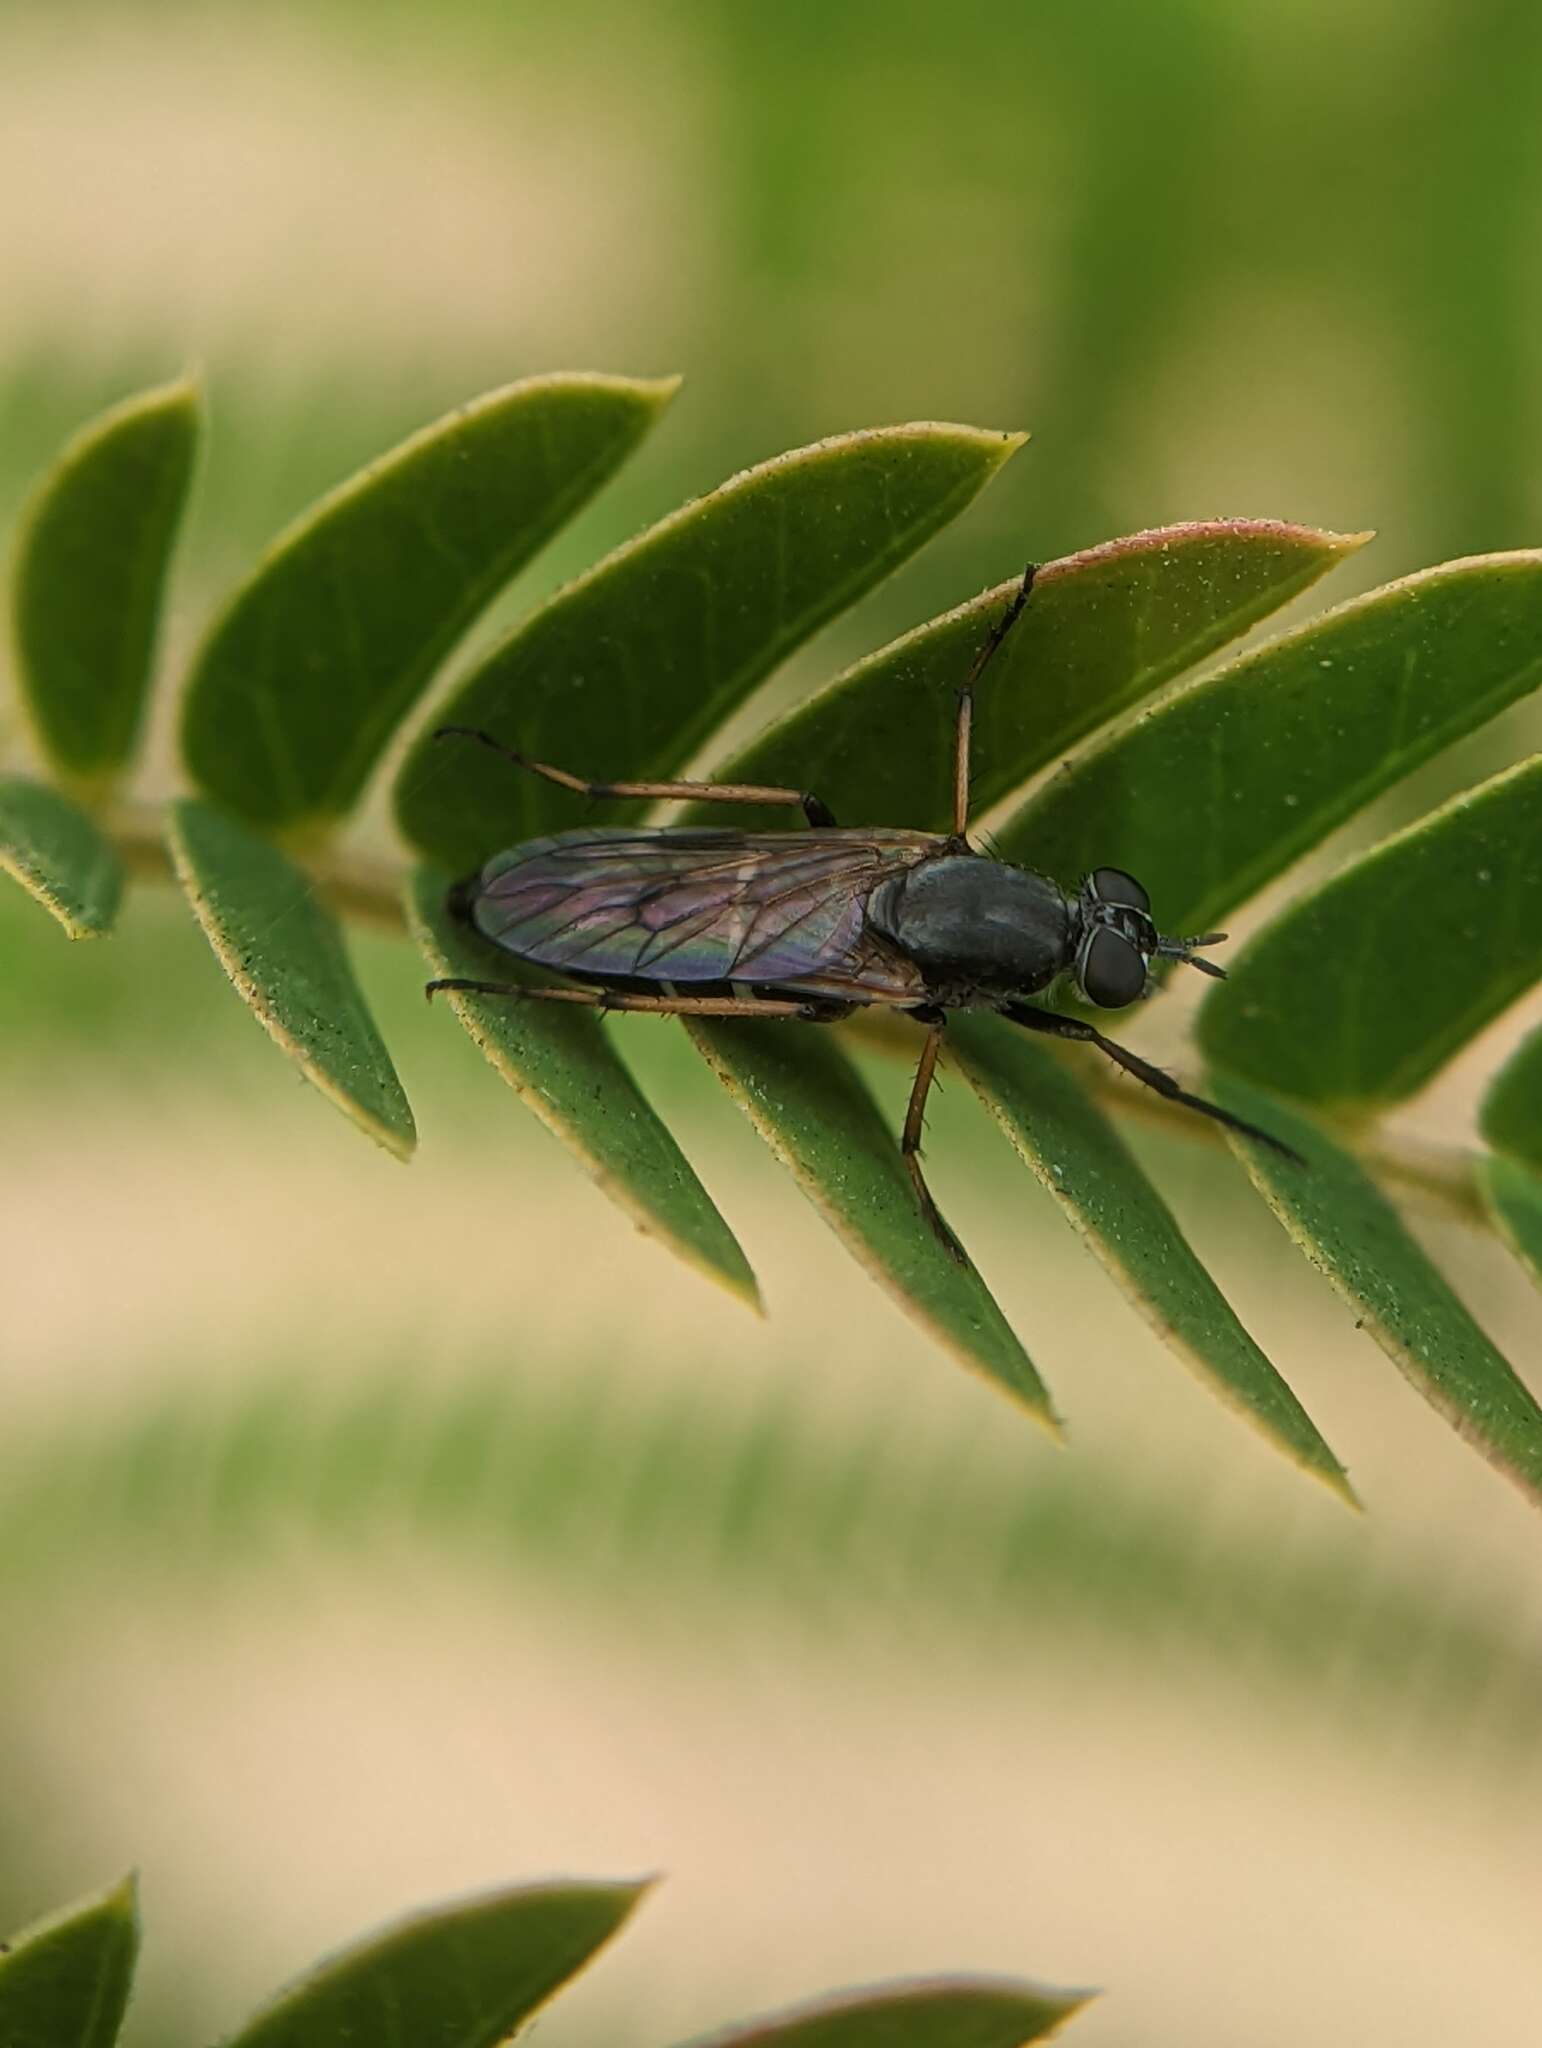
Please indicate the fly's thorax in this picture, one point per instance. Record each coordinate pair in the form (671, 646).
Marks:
(967, 921)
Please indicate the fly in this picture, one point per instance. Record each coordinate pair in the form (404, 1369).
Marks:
(682, 921)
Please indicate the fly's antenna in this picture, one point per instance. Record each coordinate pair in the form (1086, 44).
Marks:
(1183, 949)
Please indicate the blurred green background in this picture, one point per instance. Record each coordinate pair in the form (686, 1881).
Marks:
(370, 1535)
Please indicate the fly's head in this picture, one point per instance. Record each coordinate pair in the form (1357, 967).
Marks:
(1116, 941)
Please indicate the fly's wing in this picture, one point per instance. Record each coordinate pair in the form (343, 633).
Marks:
(681, 905)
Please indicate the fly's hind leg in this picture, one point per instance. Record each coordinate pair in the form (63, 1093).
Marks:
(910, 1137)
(818, 814)
(810, 1012)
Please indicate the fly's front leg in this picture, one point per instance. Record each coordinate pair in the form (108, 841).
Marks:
(1053, 1025)
(915, 1123)
(818, 814)
(965, 726)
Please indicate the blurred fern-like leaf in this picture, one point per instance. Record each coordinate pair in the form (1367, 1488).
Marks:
(470, 1975)
(1208, 789)
(767, 1515)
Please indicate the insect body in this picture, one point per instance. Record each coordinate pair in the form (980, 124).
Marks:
(694, 922)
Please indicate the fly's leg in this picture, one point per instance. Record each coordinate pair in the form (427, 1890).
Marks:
(910, 1137)
(818, 814)
(1055, 1026)
(965, 726)
(658, 1006)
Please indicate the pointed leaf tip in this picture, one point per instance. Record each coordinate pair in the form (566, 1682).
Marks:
(466, 1975)
(937, 2012)
(284, 952)
(561, 1064)
(1077, 1154)
(1338, 1217)
(65, 1981)
(813, 1109)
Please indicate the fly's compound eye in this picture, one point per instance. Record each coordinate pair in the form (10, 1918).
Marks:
(1113, 885)
(1113, 972)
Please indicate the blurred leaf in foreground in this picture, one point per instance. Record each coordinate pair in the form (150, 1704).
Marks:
(64, 1983)
(60, 856)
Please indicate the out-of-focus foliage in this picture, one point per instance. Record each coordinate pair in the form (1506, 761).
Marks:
(471, 1975)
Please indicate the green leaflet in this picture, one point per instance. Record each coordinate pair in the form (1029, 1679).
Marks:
(317, 658)
(1511, 1117)
(812, 1108)
(1364, 989)
(1080, 1157)
(1514, 1197)
(1104, 628)
(627, 671)
(1338, 1217)
(282, 948)
(59, 856)
(1510, 1178)
(463, 1976)
(87, 579)
(64, 1983)
(561, 1064)
(1214, 790)
(962, 2012)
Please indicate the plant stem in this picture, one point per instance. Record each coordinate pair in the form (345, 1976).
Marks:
(355, 885)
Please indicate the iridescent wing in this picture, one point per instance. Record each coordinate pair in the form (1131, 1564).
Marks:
(680, 905)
